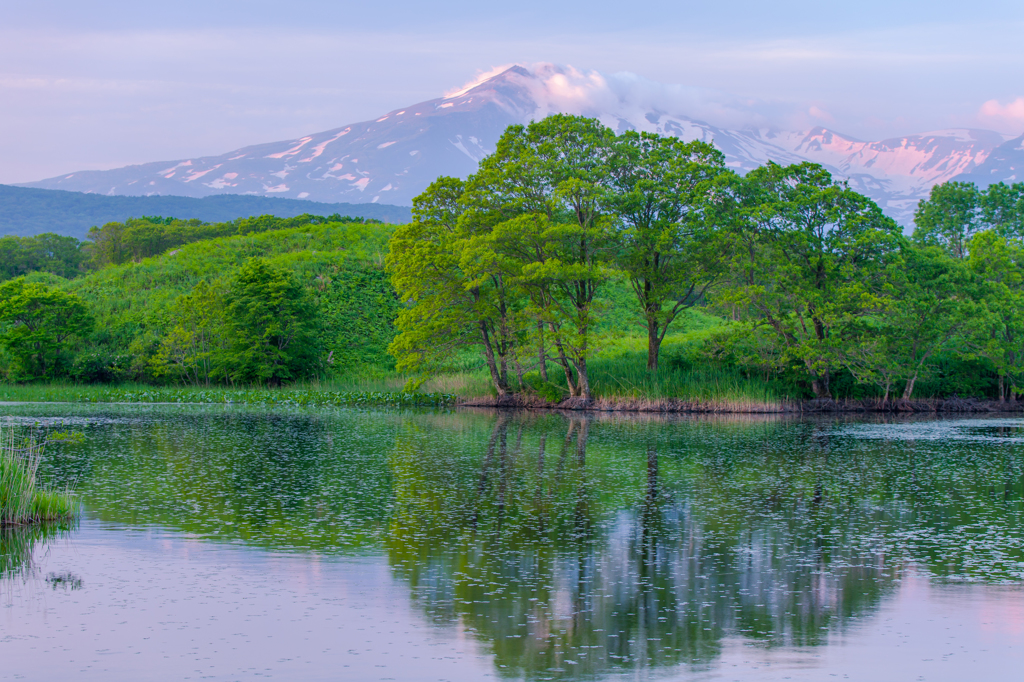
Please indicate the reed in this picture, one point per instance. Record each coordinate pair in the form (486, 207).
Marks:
(21, 502)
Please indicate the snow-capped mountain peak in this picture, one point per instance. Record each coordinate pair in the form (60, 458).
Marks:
(394, 156)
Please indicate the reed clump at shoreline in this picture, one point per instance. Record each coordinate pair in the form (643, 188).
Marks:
(21, 500)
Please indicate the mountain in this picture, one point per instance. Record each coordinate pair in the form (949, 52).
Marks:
(27, 211)
(1004, 164)
(392, 158)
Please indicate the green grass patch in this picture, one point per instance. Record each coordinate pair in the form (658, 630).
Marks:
(21, 502)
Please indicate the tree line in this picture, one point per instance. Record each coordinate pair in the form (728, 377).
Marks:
(516, 261)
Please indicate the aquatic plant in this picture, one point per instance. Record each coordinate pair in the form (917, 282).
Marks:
(302, 397)
(20, 500)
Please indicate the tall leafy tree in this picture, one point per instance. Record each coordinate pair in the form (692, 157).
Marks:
(551, 177)
(663, 193)
(1002, 209)
(37, 325)
(446, 307)
(807, 253)
(998, 333)
(270, 327)
(949, 217)
(196, 338)
(933, 302)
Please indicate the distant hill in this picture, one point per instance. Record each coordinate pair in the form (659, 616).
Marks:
(28, 211)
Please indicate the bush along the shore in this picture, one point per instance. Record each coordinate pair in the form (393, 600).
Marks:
(21, 501)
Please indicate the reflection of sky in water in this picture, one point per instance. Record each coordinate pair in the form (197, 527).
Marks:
(531, 546)
(977, 430)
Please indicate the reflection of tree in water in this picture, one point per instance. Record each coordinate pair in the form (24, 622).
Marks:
(520, 545)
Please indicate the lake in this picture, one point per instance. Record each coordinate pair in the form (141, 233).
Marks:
(228, 543)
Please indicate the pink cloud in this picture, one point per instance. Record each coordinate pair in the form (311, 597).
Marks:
(820, 114)
(993, 109)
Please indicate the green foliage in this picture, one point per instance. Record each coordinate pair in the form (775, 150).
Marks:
(664, 192)
(538, 273)
(950, 217)
(269, 327)
(52, 253)
(265, 397)
(163, 319)
(37, 324)
(135, 239)
(808, 256)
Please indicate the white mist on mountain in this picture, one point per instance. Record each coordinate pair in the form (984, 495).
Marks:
(394, 157)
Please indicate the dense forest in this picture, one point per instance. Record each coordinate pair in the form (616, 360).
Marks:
(574, 263)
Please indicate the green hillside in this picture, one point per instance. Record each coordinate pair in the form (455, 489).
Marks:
(135, 306)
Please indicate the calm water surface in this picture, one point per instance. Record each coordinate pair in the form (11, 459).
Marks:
(229, 544)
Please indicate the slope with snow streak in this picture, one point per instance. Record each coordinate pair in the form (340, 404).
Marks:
(1004, 164)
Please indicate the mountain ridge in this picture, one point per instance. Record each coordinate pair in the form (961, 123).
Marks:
(394, 157)
(31, 211)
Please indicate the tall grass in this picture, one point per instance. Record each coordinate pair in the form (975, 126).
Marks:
(628, 377)
(20, 500)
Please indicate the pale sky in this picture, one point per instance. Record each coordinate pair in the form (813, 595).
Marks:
(96, 85)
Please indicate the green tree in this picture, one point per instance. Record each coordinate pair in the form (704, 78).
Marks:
(37, 324)
(48, 252)
(807, 254)
(446, 308)
(949, 217)
(270, 327)
(662, 192)
(196, 338)
(999, 334)
(537, 203)
(931, 303)
(1002, 209)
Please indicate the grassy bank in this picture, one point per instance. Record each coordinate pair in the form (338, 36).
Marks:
(21, 501)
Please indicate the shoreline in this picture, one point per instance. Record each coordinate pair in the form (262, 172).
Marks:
(817, 406)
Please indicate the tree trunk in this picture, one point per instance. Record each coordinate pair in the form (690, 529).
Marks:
(574, 389)
(582, 379)
(909, 390)
(541, 353)
(1002, 397)
(500, 386)
(820, 387)
(653, 345)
